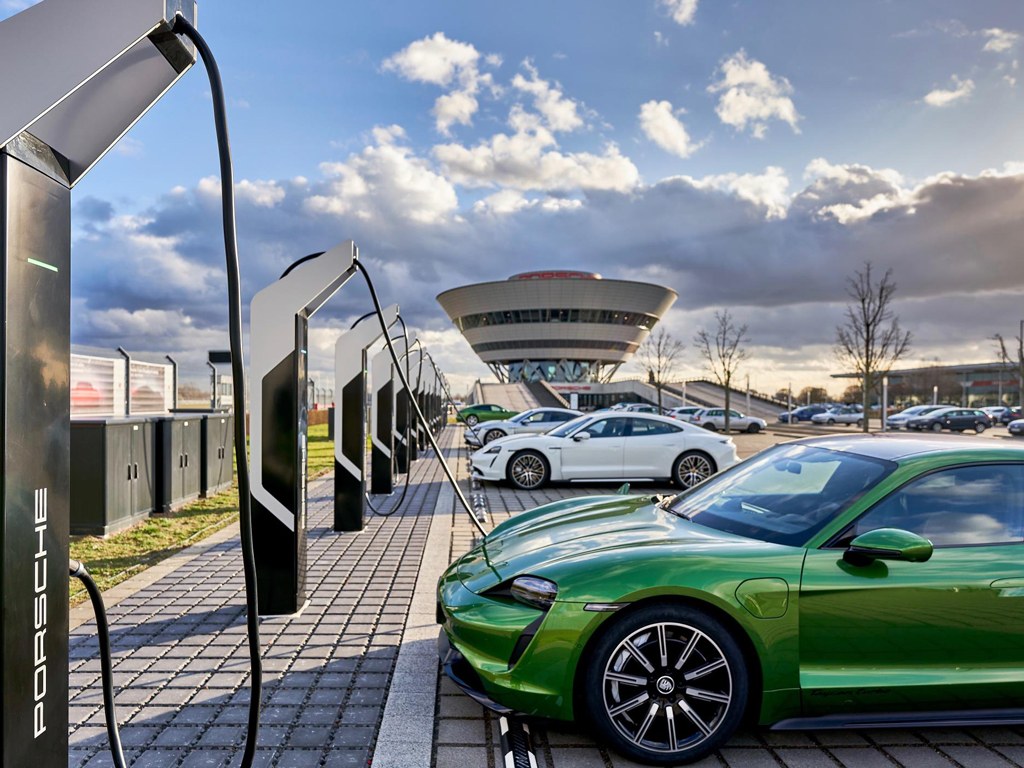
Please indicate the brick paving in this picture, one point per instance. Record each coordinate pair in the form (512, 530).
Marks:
(181, 657)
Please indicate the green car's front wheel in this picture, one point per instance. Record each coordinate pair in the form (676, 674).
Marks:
(665, 685)
(472, 419)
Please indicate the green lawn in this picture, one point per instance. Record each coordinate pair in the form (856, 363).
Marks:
(121, 556)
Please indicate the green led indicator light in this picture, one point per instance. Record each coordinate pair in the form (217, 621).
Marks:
(43, 264)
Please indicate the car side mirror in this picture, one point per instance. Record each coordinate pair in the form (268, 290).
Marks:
(580, 437)
(888, 544)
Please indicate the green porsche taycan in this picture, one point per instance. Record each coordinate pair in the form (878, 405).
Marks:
(860, 581)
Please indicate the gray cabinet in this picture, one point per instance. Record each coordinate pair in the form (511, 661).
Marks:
(218, 446)
(113, 481)
(180, 440)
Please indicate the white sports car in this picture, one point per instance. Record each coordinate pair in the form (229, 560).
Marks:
(608, 445)
(532, 422)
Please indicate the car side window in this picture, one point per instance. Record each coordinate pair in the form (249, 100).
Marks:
(645, 428)
(958, 507)
(557, 417)
(734, 414)
(606, 428)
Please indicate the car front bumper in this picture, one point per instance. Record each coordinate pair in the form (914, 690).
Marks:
(478, 640)
(1016, 429)
(470, 437)
(490, 467)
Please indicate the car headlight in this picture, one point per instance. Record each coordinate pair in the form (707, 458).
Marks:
(495, 449)
(534, 591)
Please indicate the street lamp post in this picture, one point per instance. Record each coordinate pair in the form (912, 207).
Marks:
(885, 402)
(935, 395)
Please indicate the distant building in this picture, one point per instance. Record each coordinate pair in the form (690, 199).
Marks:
(973, 385)
(556, 325)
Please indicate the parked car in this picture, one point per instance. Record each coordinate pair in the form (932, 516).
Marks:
(1016, 427)
(684, 413)
(474, 414)
(995, 412)
(803, 413)
(831, 581)
(1010, 414)
(953, 419)
(607, 446)
(714, 419)
(533, 421)
(842, 415)
(640, 408)
(899, 420)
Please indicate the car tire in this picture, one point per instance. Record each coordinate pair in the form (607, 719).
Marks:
(831, 422)
(860, 423)
(472, 419)
(692, 468)
(528, 471)
(980, 427)
(493, 434)
(671, 726)
(936, 427)
(754, 429)
(709, 426)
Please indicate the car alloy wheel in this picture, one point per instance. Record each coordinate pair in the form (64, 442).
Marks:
(472, 419)
(492, 435)
(693, 469)
(979, 427)
(666, 685)
(831, 422)
(528, 471)
(936, 427)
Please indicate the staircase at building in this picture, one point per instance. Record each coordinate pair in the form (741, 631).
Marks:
(545, 396)
(514, 397)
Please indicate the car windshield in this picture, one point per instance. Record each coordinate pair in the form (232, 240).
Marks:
(520, 416)
(783, 495)
(569, 426)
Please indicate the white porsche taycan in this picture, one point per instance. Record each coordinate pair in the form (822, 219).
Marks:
(609, 445)
(533, 422)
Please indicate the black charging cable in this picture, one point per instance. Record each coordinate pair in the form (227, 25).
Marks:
(76, 569)
(379, 311)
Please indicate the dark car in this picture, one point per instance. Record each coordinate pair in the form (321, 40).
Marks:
(1010, 414)
(953, 419)
(803, 413)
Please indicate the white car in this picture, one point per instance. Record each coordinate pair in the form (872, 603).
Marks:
(607, 445)
(714, 419)
(684, 413)
(534, 421)
(844, 415)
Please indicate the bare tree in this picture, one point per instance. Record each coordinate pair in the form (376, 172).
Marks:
(1016, 363)
(810, 395)
(723, 352)
(659, 357)
(871, 340)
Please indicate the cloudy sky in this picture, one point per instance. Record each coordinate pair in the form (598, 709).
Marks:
(748, 154)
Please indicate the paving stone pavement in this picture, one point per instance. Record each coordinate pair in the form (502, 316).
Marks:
(181, 660)
(467, 735)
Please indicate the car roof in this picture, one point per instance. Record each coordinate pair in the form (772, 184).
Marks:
(893, 447)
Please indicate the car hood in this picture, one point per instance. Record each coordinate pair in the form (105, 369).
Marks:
(587, 528)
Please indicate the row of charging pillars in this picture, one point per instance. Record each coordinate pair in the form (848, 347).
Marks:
(279, 325)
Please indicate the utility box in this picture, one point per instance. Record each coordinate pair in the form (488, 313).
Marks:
(179, 438)
(218, 446)
(113, 472)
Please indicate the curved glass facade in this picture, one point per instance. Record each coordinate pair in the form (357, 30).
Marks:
(609, 346)
(553, 370)
(513, 316)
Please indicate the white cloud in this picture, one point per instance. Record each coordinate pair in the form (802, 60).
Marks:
(943, 97)
(767, 190)
(660, 41)
(681, 11)
(660, 125)
(560, 113)
(265, 194)
(999, 40)
(509, 201)
(449, 64)
(528, 159)
(751, 96)
(129, 147)
(494, 60)
(383, 182)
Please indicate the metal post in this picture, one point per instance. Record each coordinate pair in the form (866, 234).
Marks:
(684, 394)
(127, 381)
(174, 381)
(213, 385)
(789, 403)
(935, 395)
(885, 403)
(748, 394)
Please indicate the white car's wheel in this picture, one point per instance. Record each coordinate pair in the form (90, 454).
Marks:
(831, 422)
(492, 434)
(754, 428)
(528, 471)
(692, 468)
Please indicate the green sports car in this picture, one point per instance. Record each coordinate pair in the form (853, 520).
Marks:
(844, 581)
(474, 414)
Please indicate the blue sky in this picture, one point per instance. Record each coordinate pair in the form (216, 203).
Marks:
(815, 135)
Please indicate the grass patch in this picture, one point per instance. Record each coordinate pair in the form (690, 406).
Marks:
(124, 554)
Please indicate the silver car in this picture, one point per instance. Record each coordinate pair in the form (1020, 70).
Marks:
(684, 413)
(533, 421)
(845, 415)
(714, 419)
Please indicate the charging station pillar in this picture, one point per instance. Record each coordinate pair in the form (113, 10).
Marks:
(415, 382)
(405, 415)
(278, 397)
(350, 368)
(77, 75)
(382, 418)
